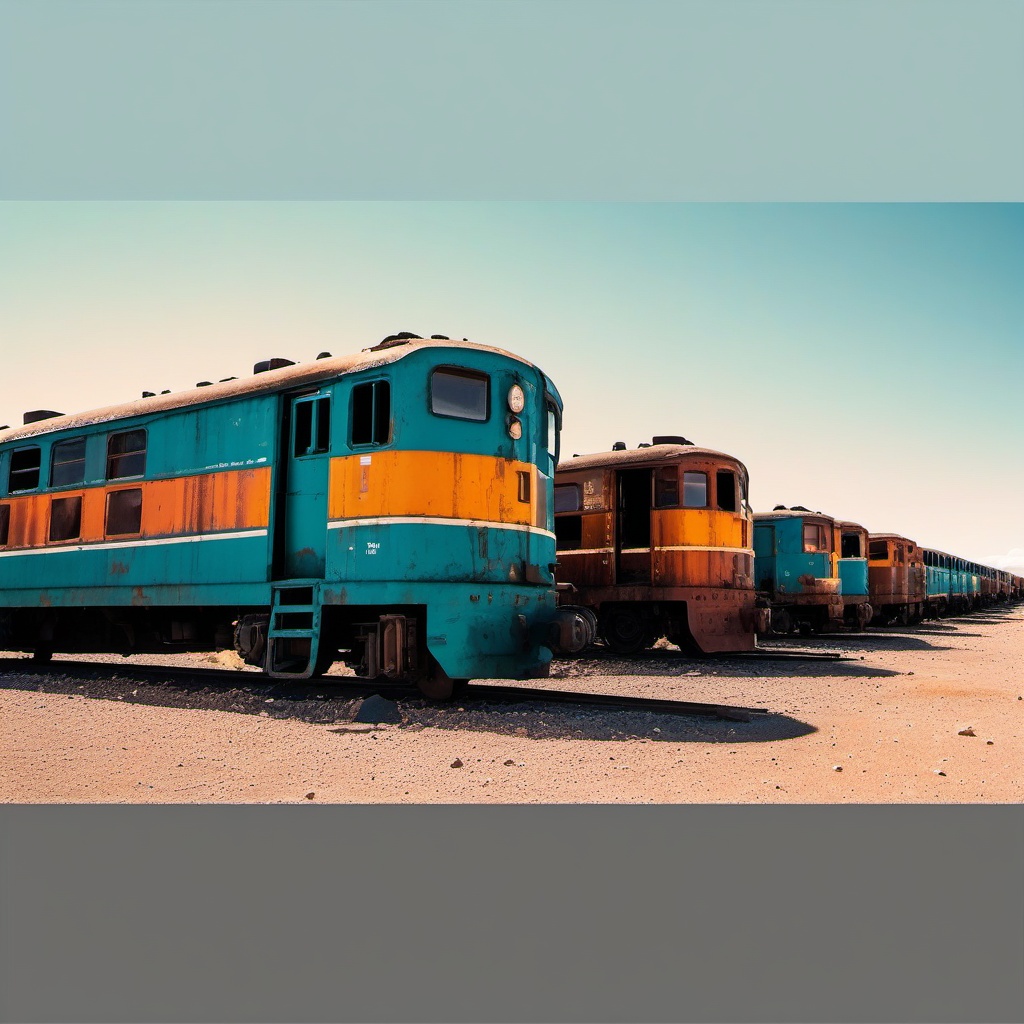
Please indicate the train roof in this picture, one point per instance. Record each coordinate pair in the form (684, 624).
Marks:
(638, 456)
(847, 524)
(269, 380)
(892, 536)
(793, 513)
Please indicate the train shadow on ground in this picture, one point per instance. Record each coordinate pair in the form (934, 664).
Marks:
(337, 703)
(674, 664)
(862, 642)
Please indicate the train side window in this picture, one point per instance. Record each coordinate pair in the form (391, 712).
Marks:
(311, 426)
(462, 394)
(24, 471)
(666, 487)
(371, 413)
(5, 524)
(569, 533)
(67, 463)
(814, 538)
(524, 486)
(725, 486)
(851, 546)
(126, 454)
(124, 513)
(568, 498)
(878, 550)
(66, 518)
(695, 490)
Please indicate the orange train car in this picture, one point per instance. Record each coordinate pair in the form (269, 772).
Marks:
(657, 542)
(897, 578)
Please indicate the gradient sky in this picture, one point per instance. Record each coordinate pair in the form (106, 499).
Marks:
(864, 360)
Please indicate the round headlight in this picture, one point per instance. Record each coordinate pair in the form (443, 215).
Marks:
(516, 398)
(515, 428)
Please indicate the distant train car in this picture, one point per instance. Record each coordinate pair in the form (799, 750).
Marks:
(940, 597)
(796, 569)
(656, 541)
(897, 578)
(390, 509)
(852, 545)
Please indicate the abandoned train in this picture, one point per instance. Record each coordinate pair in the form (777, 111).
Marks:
(392, 509)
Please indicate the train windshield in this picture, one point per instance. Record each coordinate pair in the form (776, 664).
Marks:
(878, 550)
(815, 539)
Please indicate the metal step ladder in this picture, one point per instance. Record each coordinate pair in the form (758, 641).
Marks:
(295, 614)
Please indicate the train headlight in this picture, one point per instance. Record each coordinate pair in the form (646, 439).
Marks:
(515, 428)
(516, 399)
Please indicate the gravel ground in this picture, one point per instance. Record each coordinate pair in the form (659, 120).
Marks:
(932, 714)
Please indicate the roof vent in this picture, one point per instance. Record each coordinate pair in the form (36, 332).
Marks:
(39, 414)
(780, 508)
(669, 439)
(204, 384)
(619, 446)
(395, 339)
(324, 355)
(643, 444)
(224, 380)
(441, 337)
(799, 508)
(167, 392)
(272, 364)
(148, 394)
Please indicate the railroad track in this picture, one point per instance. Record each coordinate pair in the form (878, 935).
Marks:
(351, 687)
(755, 655)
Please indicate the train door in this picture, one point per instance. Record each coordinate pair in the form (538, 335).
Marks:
(300, 532)
(633, 527)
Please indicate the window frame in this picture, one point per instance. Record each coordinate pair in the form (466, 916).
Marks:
(106, 511)
(470, 374)
(317, 445)
(11, 470)
(55, 449)
(373, 385)
(818, 549)
(144, 451)
(64, 500)
(5, 524)
(707, 489)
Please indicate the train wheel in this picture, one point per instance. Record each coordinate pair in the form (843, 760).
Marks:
(436, 684)
(625, 631)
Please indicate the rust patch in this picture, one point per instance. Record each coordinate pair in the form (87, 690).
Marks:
(118, 569)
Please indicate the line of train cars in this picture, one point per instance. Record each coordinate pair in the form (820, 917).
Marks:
(398, 510)
(661, 541)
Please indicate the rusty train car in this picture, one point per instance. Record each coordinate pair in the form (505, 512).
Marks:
(897, 578)
(391, 509)
(852, 544)
(657, 541)
(797, 568)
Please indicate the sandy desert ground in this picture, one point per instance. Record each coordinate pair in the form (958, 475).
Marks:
(930, 714)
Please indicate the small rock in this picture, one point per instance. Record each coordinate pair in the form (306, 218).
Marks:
(378, 709)
(837, 767)
(309, 796)
(269, 700)
(457, 763)
(969, 731)
(939, 771)
(509, 762)
(989, 743)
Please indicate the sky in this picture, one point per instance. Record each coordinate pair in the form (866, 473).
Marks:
(864, 360)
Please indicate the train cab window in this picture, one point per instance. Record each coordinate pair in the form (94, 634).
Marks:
(851, 546)
(569, 533)
(66, 518)
(126, 454)
(567, 498)
(24, 471)
(5, 524)
(371, 413)
(552, 433)
(462, 394)
(666, 487)
(67, 463)
(695, 490)
(815, 538)
(878, 550)
(725, 487)
(311, 425)
(124, 513)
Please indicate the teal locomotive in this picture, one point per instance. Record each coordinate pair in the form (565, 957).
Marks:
(392, 509)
